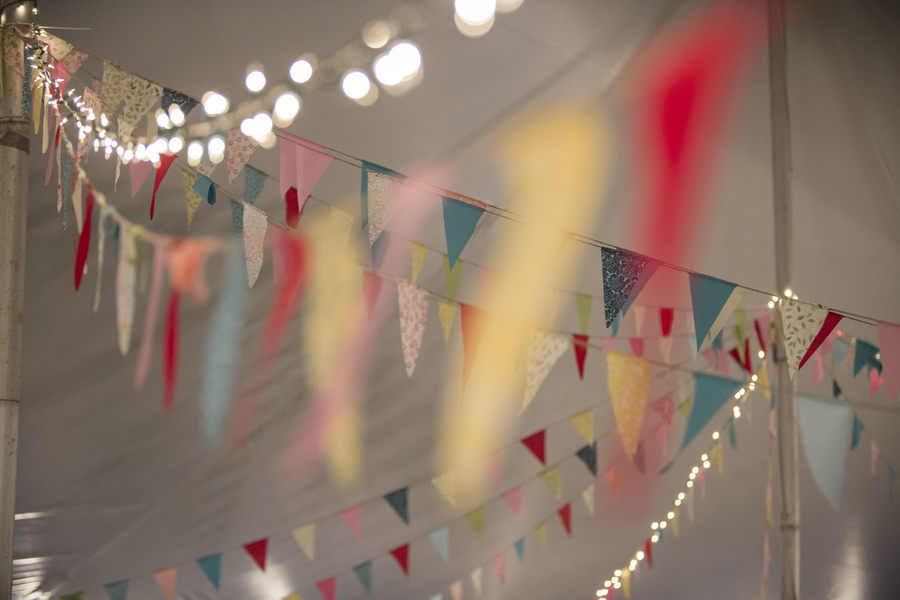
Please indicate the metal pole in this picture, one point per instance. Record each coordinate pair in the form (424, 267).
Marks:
(14, 140)
(788, 434)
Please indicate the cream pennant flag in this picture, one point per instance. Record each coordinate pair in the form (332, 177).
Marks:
(115, 81)
(255, 224)
(588, 496)
(446, 313)
(639, 313)
(476, 580)
(445, 484)
(551, 479)
(419, 252)
(77, 202)
(125, 287)
(802, 323)
(413, 316)
(665, 348)
(583, 422)
(544, 349)
(382, 202)
(140, 95)
(629, 385)
(306, 539)
(192, 198)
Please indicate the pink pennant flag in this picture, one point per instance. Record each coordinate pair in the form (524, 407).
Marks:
(492, 466)
(456, 590)
(763, 320)
(500, 567)
(327, 588)
(371, 290)
(637, 346)
(612, 479)
(138, 169)
(874, 456)
(352, 518)
(303, 162)
(875, 381)
(165, 579)
(889, 342)
(513, 497)
(710, 355)
(610, 343)
(660, 432)
(818, 368)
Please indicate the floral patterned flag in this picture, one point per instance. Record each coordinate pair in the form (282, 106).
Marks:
(802, 321)
(413, 316)
(138, 98)
(544, 349)
(115, 81)
(621, 272)
(255, 224)
(629, 384)
(379, 198)
(192, 199)
(125, 286)
(238, 149)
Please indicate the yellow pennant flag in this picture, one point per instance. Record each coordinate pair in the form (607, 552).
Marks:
(192, 198)
(476, 520)
(541, 531)
(551, 478)
(629, 385)
(419, 252)
(294, 596)
(716, 456)
(674, 521)
(446, 312)
(445, 484)
(762, 382)
(626, 583)
(306, 539)
(584, 423)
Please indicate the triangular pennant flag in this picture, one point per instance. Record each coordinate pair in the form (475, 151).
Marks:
(380, 248)
(629, 383)
(640, 461)
(513, 498)
(474, 322)
(238, 148)
(126, 280)
(544, 349)
(413, 302)
(835, 389)
(398, 501)
(583, 422)
(615, 326)
(580, 345)
(492, 466)
(192, 200)
(476, 520)
(254, 180)
(476, 577)
(831, 321)
(165, 579)
(565, 515)
(117, 590)
(440, 538)
(685, 408)
(257, 551)
(875, 379)
(648, 552)
(742, 357)
(715, 455)
(661, 432)
(205, 188)
(139, 169)
(642, 281)
(363, 572)
(588, 455)
(713, 300)
(212, 567)
(621, 271)
(303, 162)
(841, 350)
(823, 427)
(865, 355)
(500, 567)
(445, 484)
(170, 97)
(255, 224)
(762, 382)
(666, 318)
(857, 432)
(401, 554)
(665, 408)
(637, 346)
(327, 588)
(165, 161)
(378, 197)
(460, 220)
(352, 518)
(456, 590)
(536, 442)
(588, 496)
(520, 549)
(710, 394)
(84, 240)
(306, 539)
(292, 208)
(584, 304)
(541, 531)
(371, 287)
(611, 475)
(453, 277)
(802, 321)
(609, 343)
(551, 478)
(639, 314)
(889, 340)
(665, 348)
(446, 313)
(419, 252)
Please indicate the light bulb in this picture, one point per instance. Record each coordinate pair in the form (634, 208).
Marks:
(706, 464)
(160, 145)
(695, 470)
(356, 84)
(376, 34)
(639, 555)
(152, 154)
(715, 435)
(176, 115)
(387, 71)
(248, 127)
(671, 515)
(214, 103)
(120, 150)
(703, 457)
(216, 146)
(678, 503)
(162, 119)
(662, 525)
(771, 304)
(754, 377)
(788, 292)
(507, 6)
(475, 12)
(128, 155)
(407, 57)
(631, 566)
(690, 484)
(103, 120)
(301, 71)
(176, 144)
(607, 583)
(262, 124)
(287, 106)
(654, 525)
(140, 152)
(255, 80)
(618, 573)
(654, 539)
(692, 476)
(614, 579)
(195, 150)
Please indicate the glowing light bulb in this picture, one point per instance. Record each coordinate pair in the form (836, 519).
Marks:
(692, 476)
(152, 155)
(654, 525)
(507, 6)
(262, 125)
(195, 150)
(678, 503)
(407, 57)
(690, 484)
(120, 150)
(715, 435)
(671, 515)
(599, 593)
(618, 573)
(695, 470)
(754, 377)
(614, 579)
(632, 566)
(376, 34)
(356, 84)
(140, 152)
(176, 144)
(214, 103)
(662, 525)
(128, 155)
(654, 539)
(255, 80)
(681, 495)
(248, 127)
(216, 146)
(703, 457)
(607, 583)
(387, 71)
(162, 119)
(301, 71)
(160, 145)
(788, 292)
(771, 304)
(475, 12)
(639, 555)
(287, 106)
(176, 115)
(706, 464)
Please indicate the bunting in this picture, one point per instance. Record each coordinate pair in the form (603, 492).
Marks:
(580, 345)
(550, 477)
(865, 355)
(413, 302)
(165, 161)
(584, 303)
(212, 567)
(476, 520)
(371, 287)
(418, 252)
(305, 536)
(474, 322)
(621, 272)
(125, 286)
(138, 171)
(889, 340)
(839, 357)
(588, 455)
(541, 532)
(583, 422)
(513, 498)
(536, 443)
(588, 496)
(352, 518)
(84, 241)
(500, 567)
(611, 475)
(440, 539)
(302, 162)
(363, 572)
(823, 428)
(713, 300)
(445, 484)
(492, 466)
(629, 383)
(257, 551)
(398, 501)
(117, 590)
(238, 148)
(544, 349)
(379, 190)
(460, 220)
(255, 224)
(139, 96)
(453, 276)
(520, 549)
(476, 576)
(327, 588)
(446, 313)
(802, 322)
(165, 579)
(565, 515)
(711, 393)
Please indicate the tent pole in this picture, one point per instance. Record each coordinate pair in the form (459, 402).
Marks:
(14, 159)
(788, 434)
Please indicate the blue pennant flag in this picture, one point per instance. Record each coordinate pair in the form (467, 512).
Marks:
(857, 432)
(520, 548)
(117, 590)
(865, 355)
(708, 297)
(823, 428)
(205, 188)
(711, 393)
(363, 572)
(212, 566)
(460, 220)
(588, 456)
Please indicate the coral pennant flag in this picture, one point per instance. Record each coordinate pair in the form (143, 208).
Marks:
(648, 552)
(474, 321)
(666, 317)
(352, 518)
(581, 347)
(165, 161)
(513, 498)
(745, 363)
(456, 590)
(536, 443)
(371, 286)
(165, 579)
(292, 208)
(401, 554)
(500, 567)
(611, 475)
(565, 515)
(327, 588)
(637, 346)
(831, 321)
(665, 408)
(257, 551)
(84, 240)
(492, 466)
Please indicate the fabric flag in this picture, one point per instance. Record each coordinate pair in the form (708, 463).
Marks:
(710, 394)
(662, 435)
(302, 162)
(460, 220)
(588, 496)
(446, 313)
(117, 590)
(588, 455)
(363, 572)
(500, 567)
(541, 532)
(476, 520)
(665, 349)
(292, 208)
(170, 97)
(419, 252)
(165, 161)
(257, 551)
(665, 408)
(642, 281)
(453, 277)
(648, 552)
(713, 300)
(762, 381)
(125, 286)
(513, 498)
(238, 148)
(212, 567)
(621, 272)
(205, 188)
(685, 408)
(138, 170)
(492, 466)
(580, 345)
(544, 350)
(802, 322)
(413, 302)
(611, 475)
(639, 315)
(835, 389)
(626, 583)
(474, 321)
(615, 325)
(371, 287)
(254, 180)
(401, 554)
(637, 346)
(583, 422)
(857, 432)
(536, 443)
(629, 384)
(666, 318)
(139, 96)
(584, 304)
(831, 321)
(456, 590)
(165, 579)
(440, 539)
(352, 518)
(818, 368)
(875, 379)
(306, 539)
(476, 577)
(742, 357)
(550, 477)
(445, 484)
(565, 515)
(84, 240)
(327, 588)
(889, 340)
(379, 189)
(823, 427)
(865, 355)
(520, 549)
(192, 199)
(398, 501)
(255, 224)
(841, 350)
(640, 459)
(609, 343)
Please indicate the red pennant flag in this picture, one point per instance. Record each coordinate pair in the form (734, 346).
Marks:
(565, 515)
(165, 161)
(536, 443)
(737, 357)
(759, 336)
(257, 551)
(637, 346)
(648, 552)
(327, 588)
(84, 241)
(402, 556)
(581, 348)
(474, 322)
(292, 208)
(831, 321)
(371, 286)
(612, 479)
(666, 317)
(170, 352)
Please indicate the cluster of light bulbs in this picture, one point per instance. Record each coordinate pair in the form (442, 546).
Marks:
(777, 300)
(474, 18)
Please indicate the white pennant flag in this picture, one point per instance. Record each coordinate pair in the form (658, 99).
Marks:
(544, 349)
(588, 496)
(413, 302)
(665, 347)
(802, 323)
(255, 224)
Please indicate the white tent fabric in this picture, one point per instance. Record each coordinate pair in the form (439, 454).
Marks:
(110, 488)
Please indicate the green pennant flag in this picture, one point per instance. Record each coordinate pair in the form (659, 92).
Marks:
(453, 276)
(476, 520)
(363, 572)
(117, 590)
(685, 407)
(460, 220)
(584, 303)
(711, 393)
(541, 531)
